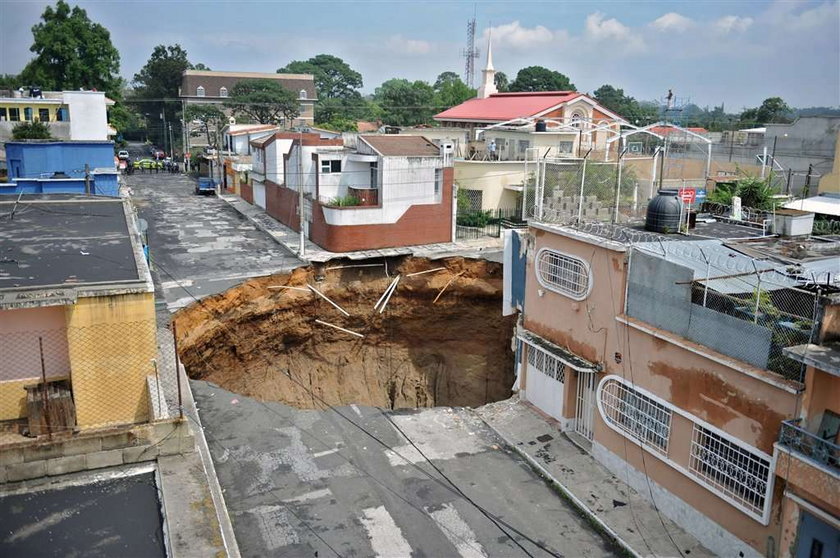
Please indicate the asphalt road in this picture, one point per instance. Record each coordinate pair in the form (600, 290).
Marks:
(199, 245)
(314, 483)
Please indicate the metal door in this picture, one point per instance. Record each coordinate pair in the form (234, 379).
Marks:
(544, 379)
(817, 539)
(585, 408)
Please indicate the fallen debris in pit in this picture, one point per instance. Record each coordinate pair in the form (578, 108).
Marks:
(426, 350)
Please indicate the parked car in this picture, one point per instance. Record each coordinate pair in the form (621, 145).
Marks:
(122, 155)
(147, 164)
(205, 185)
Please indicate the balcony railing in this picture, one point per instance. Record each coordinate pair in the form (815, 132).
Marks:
(810, 445)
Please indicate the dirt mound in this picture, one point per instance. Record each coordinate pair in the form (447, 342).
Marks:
(265, 343)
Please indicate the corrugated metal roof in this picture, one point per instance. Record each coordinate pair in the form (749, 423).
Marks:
(726, 264)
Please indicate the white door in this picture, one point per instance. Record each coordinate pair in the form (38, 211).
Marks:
(259, 194)
(544, 378)
(585, 409)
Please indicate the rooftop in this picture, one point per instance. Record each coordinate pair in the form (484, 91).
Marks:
(65, 242)
(402, 146)
(823, 357)
(501, 107)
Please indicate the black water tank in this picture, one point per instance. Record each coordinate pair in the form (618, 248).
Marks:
(540, 126)
(664, 212)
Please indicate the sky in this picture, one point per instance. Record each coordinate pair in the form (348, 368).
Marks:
(708, 52)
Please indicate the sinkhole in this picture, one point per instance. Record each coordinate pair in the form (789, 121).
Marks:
(261, 338)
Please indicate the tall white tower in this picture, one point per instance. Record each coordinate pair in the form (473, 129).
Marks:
(488, 82)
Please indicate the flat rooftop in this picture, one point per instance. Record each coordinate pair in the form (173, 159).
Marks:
(64, 241)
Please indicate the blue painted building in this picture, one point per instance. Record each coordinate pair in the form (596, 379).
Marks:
(37, 167)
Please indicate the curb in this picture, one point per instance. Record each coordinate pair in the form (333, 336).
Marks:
(578, 504)
(264, 229)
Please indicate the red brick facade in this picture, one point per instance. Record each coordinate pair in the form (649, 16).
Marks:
(282, 204)
(247, 192)
(421, 224)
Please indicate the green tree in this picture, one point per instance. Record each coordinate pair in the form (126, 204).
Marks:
(537, 78)
(72, 52)
(31, 130)
(615, 99)
(210, 118)
(406, 103)
(201, 67)
(451, 91)
(334, 78)
(123, 117)
(773, 109)
(264, 101)
(754, 192)
(9, 81)
(155, 84)
(502, 82)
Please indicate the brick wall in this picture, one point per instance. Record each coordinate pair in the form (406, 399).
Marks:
(421, 224)
(282, 204)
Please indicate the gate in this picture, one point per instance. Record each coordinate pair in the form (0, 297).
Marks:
(545, 379)
(585, 408)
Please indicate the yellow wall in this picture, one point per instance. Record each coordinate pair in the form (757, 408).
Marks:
(830, 183)
(34, 105)
(112, 343)
(491, 178)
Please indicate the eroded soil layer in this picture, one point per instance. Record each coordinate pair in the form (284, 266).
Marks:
(265, 343)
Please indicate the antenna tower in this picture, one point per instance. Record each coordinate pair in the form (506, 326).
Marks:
(471, 54)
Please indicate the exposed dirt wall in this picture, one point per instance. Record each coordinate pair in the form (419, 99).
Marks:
(265, 343)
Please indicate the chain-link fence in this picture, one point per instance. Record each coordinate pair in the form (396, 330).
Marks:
(70, 379)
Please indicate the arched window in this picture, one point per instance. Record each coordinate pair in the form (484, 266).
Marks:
(303, 93)
(199, 91)
(563, 274)
(577, 120)
(223, 92)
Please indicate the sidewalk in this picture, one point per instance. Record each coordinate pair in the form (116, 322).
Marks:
(615, 507)
(314, 253)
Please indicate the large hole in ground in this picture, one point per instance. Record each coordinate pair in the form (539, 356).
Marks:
(418, 353)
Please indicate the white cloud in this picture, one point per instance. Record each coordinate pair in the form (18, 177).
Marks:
(516, 36)
(730, 23)
(402, 45)
(672, 21)
(790, 15)
(600, 29)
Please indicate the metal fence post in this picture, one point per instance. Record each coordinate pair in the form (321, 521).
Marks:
(177, 370)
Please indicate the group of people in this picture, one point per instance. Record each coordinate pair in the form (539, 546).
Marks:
(151, 166)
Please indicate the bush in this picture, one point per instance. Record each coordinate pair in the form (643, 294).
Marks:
(475, 219)
(31, 130)
(345, 201)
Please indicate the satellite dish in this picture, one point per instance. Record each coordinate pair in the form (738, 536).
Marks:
(231, 120)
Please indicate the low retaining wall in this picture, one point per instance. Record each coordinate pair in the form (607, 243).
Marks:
(95, 450)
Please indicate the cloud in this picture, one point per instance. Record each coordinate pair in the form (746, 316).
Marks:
(730, 23)
(672, 21)
(402, 45)
(793, 16)
(518, 37)
(600, 29)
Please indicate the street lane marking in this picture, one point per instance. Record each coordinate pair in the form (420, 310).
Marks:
(457, 531)
(326, 452)
(386, 538)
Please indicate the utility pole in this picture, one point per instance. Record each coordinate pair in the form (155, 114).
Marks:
(171, 143)
(87, 179)
(302, 247)
(163, 117)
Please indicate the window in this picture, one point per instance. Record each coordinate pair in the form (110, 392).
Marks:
(61, 114)
(4, 114)
(438, 182)
(637, 414)
(563, 274)
(223, 92)
(199, 91)
(27, 114)
(577, 120)
(565, 146)
(546, 363)
(374, 174)
(14, 114)
(44, 115)
(740, 474)
(333, 166)
(303, 93)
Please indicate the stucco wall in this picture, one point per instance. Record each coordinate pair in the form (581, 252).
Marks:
(491, 177)
(111, 344)
(88, 115)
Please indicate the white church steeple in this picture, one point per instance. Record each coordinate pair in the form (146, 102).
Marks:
(488, 82)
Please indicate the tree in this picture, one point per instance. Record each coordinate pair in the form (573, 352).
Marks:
(210, 117)
(773, 109)
(502, 82)
(537, 78)
(334, 78)
(614, 99)
(405, 103)
(72, 52)
(264, 101)
(123, 117)
(201, 67)
(9, 81)
(159, 79)
(31, 130)
(451, 91)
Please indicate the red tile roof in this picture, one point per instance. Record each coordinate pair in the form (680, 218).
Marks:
(507, 106)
